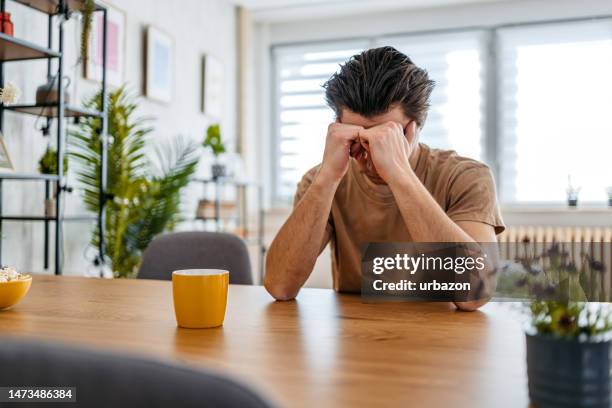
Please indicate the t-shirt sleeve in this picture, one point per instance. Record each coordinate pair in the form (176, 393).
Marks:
(473, 197)
(302, 187)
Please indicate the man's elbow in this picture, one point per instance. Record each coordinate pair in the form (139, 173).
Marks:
(279, 291)
(471, 305)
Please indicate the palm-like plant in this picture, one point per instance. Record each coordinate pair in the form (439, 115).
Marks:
(143, 195)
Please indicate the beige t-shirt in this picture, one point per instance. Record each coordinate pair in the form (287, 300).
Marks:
(463, 187)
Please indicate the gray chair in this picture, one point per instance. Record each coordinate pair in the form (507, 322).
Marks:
(115, 380)
(196, 250)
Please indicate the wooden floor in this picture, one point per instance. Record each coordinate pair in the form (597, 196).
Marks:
(323, 350)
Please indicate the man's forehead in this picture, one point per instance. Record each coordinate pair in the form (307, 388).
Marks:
(394, 114)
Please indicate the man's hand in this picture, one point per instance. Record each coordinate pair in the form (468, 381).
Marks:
(340, 137)
(389, 148)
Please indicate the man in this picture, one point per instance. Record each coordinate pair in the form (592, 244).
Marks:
(377, 183)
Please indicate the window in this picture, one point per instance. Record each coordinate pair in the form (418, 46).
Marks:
(554, 110)
(302, 115)
(455, 62)
(549, 119)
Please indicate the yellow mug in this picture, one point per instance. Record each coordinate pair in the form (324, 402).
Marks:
(200, 297)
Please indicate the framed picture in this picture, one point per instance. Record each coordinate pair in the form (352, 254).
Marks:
(5, 160)
(159, 65)
(115, 48)
(212, 86)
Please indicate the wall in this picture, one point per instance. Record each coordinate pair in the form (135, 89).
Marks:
(197, 27)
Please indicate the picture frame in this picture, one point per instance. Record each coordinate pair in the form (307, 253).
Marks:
(159, 65)
(115, 48)
(6, 165)
(212, 86)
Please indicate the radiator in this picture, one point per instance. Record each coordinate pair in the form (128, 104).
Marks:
(597, 241)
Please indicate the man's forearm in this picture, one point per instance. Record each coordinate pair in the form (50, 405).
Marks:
(427, 222)
(295, 248)
(424, 218)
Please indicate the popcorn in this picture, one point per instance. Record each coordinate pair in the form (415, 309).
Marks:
(9, 273)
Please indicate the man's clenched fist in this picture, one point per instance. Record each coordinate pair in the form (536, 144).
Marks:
(388, 148)
(338, 143)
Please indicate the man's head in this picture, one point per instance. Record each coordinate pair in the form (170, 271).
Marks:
(376, 86)
(373, 82)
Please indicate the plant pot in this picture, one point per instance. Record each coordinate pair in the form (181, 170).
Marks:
(219, 170)
(568, 373)
(609, 201)
(572, 202)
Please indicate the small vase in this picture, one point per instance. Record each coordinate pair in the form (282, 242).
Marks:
(6, 25)
(572, 202)
(610, 202)
(218, 171)
(568, 373)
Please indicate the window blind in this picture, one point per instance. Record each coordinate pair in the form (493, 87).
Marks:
(554, 108)
(302, 115)
(455, 62)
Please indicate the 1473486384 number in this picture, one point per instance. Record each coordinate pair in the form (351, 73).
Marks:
(40, 393)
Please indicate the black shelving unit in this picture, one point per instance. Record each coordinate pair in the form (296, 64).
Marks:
(15, 49)
(242, 215)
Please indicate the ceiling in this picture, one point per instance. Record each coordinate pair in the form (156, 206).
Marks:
(284, 10)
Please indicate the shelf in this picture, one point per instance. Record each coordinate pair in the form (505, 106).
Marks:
(226, 180)
(75, 218)
(50, 110)
(51, 6)
(15, 49)
(212, 218)
(25, 176)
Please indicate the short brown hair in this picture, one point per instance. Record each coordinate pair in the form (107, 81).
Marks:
(371, 82)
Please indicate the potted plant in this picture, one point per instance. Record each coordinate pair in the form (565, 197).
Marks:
(47, 164)
(215, 144)
(143, 195)
(572, 193)
(568, 337)
(609, 191)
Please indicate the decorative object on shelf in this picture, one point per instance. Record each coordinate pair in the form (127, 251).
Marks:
(143, 195)
(48, 165)
(159, 75)
(572, 193)
(5, 160)
(609, 191)
(47, 93)
(86, 21)
(212, 87)
(10, 93)
(115, 48)
(568, 338)
(6, 25)
(215, 144)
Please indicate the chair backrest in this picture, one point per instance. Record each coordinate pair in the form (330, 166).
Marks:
(115, 380)
(196, 250)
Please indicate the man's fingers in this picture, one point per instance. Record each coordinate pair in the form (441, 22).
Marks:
(356, 148)
(410, 129)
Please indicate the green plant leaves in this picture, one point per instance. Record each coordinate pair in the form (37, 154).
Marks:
(213, 140)
(145, 193)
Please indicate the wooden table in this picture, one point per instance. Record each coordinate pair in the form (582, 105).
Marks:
(323, 350)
